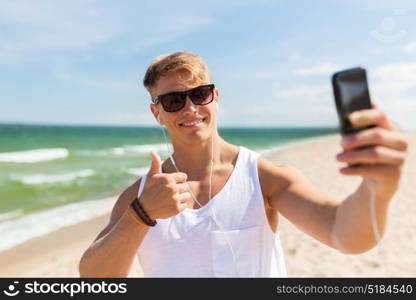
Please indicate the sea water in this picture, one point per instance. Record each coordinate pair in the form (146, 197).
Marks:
(54, 176)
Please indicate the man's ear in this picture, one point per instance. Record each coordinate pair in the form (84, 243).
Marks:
(217, 95)
(156, 113)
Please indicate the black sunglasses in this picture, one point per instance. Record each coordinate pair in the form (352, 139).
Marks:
(175, 101)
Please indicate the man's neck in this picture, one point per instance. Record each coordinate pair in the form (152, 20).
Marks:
(195, 158)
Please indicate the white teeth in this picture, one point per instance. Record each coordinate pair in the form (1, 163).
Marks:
(193, 123)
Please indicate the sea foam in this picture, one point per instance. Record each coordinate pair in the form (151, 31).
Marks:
(17, 231)
(137, 171)
(142, 150)
(33, 156)
(51, 178)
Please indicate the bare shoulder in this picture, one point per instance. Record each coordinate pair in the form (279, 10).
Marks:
(267, 166)
(122, 203)
(275, 178)
(285, 185)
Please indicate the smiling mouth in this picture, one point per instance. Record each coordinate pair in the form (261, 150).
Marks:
(193, 123)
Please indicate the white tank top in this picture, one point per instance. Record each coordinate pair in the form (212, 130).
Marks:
(190, 244)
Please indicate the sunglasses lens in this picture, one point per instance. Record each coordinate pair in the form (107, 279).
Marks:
(173, 102)
(201, 95)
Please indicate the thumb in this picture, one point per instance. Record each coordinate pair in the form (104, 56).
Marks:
(156, 166)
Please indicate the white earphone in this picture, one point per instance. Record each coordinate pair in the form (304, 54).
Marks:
(159, 121)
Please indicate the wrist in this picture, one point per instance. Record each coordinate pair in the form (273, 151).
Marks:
(382, 192)
(141, 213)
(135, 218)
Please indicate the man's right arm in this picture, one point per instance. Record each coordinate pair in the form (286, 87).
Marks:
(113, 251)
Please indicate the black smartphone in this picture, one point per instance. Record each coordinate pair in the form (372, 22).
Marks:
(351, 94)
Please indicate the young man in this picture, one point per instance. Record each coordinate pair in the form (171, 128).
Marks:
(217, 205)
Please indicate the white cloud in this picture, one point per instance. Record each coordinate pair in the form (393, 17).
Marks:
(80, 25)
(402, 111)
(137, 118)
(295, 56)
(320, 69)
(102, 84)
(122, 116)
(123, 27)
(393, 85)
(51, 25)
(252, 73)
(285, 112)
(410, 48)
(394, 78)
(304, 91)
(178, 25)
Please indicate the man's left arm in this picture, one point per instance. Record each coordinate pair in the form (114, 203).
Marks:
(381, 152)
(346, 224)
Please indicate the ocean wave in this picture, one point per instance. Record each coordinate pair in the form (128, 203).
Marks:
(17, 231)
(138, 171)
(11, 215)
(50, 178)
(126, 150)
(34, 156)
(145, 149)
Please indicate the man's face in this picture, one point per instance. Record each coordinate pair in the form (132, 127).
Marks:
(191, 122)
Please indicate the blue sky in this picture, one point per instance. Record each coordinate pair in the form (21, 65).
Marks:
(82, 61)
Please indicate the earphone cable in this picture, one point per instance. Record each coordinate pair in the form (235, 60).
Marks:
(210, 186)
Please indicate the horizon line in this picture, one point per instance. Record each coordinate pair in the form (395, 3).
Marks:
(155, 126)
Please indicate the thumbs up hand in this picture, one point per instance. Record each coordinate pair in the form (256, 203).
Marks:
(156, 166)
(164, 195)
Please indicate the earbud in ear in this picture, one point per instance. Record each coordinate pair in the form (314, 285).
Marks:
(158, 120)
(216, 104)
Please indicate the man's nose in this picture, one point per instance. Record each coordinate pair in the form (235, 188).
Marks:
(189, 104)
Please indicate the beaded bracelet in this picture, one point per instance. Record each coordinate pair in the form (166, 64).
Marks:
(141, 213)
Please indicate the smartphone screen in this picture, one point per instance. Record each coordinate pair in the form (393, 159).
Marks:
(351, 94)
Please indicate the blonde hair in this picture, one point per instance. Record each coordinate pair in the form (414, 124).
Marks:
(191, 68)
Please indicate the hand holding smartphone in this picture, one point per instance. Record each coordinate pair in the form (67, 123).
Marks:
(351, 94)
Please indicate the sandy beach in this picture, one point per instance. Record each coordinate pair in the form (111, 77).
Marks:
(57, 254)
